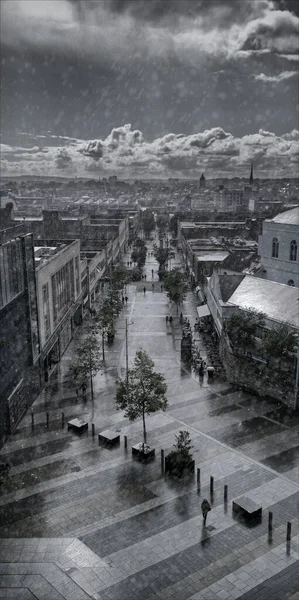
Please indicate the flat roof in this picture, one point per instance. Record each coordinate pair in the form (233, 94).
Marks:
(277, 301)
(212, 256)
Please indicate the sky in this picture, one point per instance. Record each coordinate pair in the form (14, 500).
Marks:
(149, 88)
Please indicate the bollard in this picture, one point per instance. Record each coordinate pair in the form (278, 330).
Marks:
(93, 430)
(126, 441)
(32, 419)
(62, 419)
(225, 493)
(162, 461)
(198, 475)
(270, 521)
(211, 484)
(289, 531)
(47, 420)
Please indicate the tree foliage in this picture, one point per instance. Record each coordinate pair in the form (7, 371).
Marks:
(144, 390)
(173, 225)
(176, 286)
(139, 253)
(87, 362)
(183, 443)
(279, 342)
(162, 224)
(161, 255)
(148, 222)
(120, 276)
(242, 328)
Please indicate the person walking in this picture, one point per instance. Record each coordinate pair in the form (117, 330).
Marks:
(126, 299)
(144, 290)
(166, 319)
(123, 300)
(205, 508)
(170, 319)
(145, 277)
(153, 286)
(152, 272)
(142, 277)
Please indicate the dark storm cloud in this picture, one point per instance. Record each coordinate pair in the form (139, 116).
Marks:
(74, 69)
(92, 149)
(63, 160)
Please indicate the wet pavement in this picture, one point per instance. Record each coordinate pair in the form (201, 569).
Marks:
(78, 520)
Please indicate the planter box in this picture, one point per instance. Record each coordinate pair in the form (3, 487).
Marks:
(143, 451)
(177, 467)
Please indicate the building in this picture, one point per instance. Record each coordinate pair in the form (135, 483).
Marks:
(19, 332)
(228, 200)
(202, 181)
(278, 248)
(59, 298)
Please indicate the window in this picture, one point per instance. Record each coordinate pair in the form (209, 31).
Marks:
(293, 250)
(291, 282)
(275, 248)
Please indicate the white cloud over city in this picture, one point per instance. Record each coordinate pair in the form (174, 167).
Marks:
(126, 152)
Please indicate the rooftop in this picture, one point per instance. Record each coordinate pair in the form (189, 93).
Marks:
(212, 256)
(276, 300)
(45, 251)
(290, 217)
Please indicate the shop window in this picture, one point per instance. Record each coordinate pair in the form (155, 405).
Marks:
(293, 250)
(275, 248)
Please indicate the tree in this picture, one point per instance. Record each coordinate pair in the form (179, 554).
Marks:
(176, 286)
(242, 328)
(180, 461)
(162, 224)
(173, 225)
(87, 362)
(148, 222)
(119, 277)
(139, 253)
(143, 391)
(161, 255)
(279, 343)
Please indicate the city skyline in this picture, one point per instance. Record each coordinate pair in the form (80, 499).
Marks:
(157, 90)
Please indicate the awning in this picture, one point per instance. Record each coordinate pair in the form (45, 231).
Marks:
(203, 311)
(200, 297)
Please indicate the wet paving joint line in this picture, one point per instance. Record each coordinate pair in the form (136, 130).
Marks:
(235, 450)
(266, 418)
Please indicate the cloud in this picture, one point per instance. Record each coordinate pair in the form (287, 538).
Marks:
(275, 78)
(128, 154)
(143, 30)
(63, 160)
(276, 31)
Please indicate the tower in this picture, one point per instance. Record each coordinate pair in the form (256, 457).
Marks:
(202, 181)
(251, 175)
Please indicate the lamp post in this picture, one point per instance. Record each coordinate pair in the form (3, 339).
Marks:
(127, 354)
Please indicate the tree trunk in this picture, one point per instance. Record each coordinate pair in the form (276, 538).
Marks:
(90, 373)
(144, 428)
(91, 386)
(103, 345)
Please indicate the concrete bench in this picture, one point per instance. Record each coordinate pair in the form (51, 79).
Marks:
(109, 437)
(247, 507)
(77, 425)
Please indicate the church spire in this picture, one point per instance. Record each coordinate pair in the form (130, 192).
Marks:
(251, 174)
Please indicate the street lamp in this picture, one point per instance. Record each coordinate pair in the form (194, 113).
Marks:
(127, 353)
